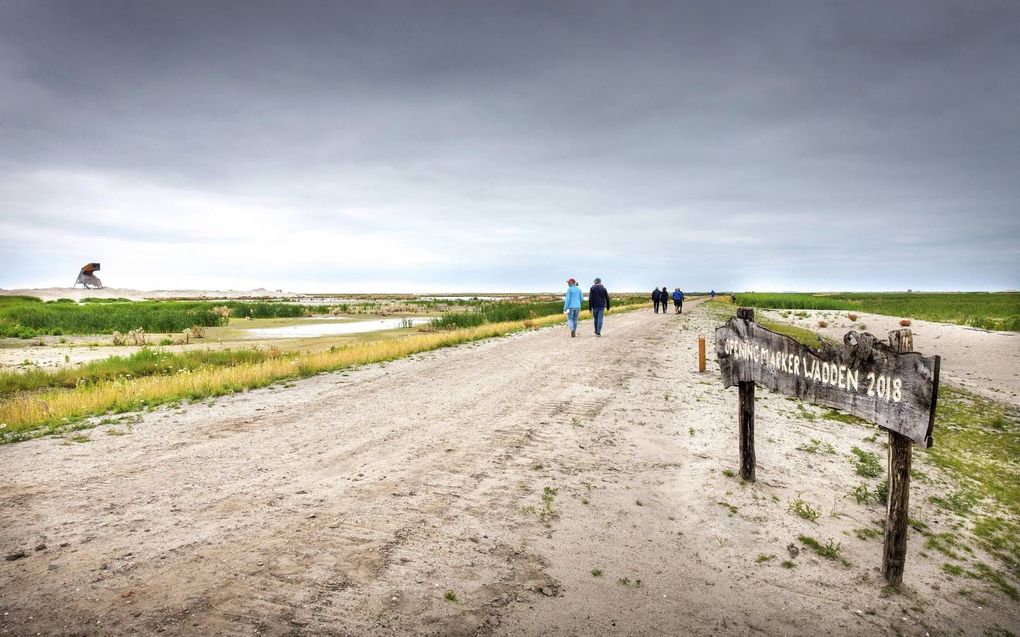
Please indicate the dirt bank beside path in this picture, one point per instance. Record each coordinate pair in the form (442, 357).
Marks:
(533, 484)
(981, 361)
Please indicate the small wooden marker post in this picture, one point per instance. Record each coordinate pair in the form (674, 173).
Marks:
(701, 353)
(745, 417)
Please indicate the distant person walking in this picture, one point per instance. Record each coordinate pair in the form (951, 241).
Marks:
(678, 301)
(598, 302)
(713, 295)
(655, 298)
(664, 297)
(572, 305)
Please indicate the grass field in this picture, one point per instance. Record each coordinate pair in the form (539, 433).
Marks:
(27, 317)
(993, 311)
(977, 442)
(40, 402)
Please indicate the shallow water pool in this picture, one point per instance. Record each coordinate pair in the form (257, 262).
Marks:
(312, 329)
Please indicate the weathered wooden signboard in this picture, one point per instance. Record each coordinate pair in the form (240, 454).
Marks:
(887, 384)
(865, 377)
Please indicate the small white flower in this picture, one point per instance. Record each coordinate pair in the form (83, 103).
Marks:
(3, 425)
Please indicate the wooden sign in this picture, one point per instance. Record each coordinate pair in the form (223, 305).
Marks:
(865, 377)
(889, 385)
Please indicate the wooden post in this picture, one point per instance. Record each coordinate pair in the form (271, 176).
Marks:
(745, 417)
(894, 553)
(701, 353)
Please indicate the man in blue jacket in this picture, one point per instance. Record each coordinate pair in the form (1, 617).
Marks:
(678, 301)
(572, 305)
(598, 303)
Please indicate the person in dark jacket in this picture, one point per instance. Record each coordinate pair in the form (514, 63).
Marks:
(598, 302)
(655, 298)
(678, 301)
(664, 298)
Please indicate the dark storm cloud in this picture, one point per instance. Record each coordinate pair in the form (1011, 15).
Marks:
(796, 145)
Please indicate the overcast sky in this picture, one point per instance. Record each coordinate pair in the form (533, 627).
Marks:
(441, 146)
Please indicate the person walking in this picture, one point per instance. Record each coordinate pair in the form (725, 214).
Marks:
(598, 303)
(678, 301)
(572, 305)
(655, 299)
(664, 297)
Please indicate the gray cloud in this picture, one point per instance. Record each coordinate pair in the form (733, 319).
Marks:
(452, 145)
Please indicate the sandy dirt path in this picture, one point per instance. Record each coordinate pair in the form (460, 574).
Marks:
(408, 499)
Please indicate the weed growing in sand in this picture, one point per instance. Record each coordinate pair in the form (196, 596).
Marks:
(863, 494)
(691, 431)
(548, 495)
(666, 396)
(729, 473)
(829, 550)
(575, 421)
(528, 510)
(866, 463)
(764, 558)
(804, 413)
(867, 533)
(733, 509)
(596, 572)
(817, 445)
(838, 416)
(450, 596)
(788, 564)
(803, 509)
(625, 581)
(587, 491)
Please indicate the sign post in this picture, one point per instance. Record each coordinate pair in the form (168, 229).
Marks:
(745, 414)
(889, 385)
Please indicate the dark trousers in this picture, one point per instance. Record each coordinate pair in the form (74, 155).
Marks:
(679, 306)
(656, 302)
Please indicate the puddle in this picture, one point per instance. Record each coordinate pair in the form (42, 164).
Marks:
(309, 330)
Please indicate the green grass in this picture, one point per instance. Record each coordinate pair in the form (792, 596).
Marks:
(144, 362)
(801, 335)
(863, 494)
(977, 442)
(829, 550)
(803, 509)
(27, 317)
(816, 446)
(998, 311)
(866, 463)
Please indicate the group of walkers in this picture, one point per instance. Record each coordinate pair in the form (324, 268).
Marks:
(662, 297)
(598, 303)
